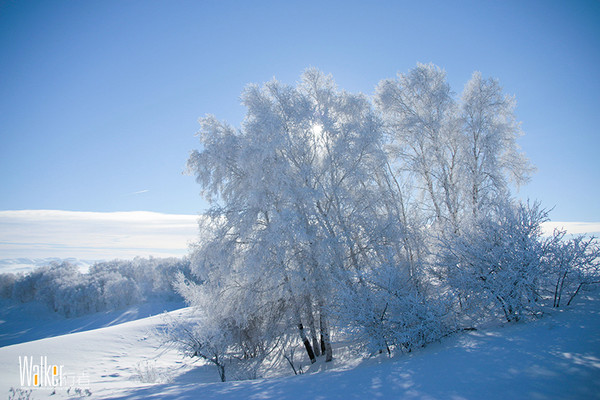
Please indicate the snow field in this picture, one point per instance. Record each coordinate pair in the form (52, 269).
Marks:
(556, 357)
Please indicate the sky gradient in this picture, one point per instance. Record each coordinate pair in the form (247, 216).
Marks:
(99, 100)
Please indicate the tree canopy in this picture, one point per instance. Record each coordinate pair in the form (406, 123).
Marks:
(337, 212)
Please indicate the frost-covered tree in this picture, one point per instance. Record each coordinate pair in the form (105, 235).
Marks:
(388, 217)
(425, 141)
(297, 203)
(491, 155)
(463, 153)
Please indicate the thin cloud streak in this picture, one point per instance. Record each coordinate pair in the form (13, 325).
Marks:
(94, 235)
(138, 192)
(573, 228)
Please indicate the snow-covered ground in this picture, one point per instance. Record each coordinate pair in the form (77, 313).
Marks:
(26, 322)
(556, 357)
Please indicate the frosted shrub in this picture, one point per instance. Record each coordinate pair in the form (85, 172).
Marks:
(121, 292)
(24, 288)
(499, 261)
(573, 264)
(77, 300)
(148, 372)
(227, 330)
(7, 282)
(393, 315)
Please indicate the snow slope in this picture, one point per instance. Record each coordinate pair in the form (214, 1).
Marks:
(102, 360)
(25, 322)
(557, 357)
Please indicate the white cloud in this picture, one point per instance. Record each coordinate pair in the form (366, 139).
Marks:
(39, 234)
(575, 228)
(94, 235)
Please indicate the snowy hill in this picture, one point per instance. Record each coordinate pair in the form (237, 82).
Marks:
(556, 357)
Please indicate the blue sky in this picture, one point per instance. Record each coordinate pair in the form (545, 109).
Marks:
(99, 100)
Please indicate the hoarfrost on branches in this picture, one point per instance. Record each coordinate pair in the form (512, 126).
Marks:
(390, 218)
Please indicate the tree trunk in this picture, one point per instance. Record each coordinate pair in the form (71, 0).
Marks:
(313, 334)
(323, 349)
(574, 294)
(313, 327)
(220, 367)
(559, 291)
(316, 347)
(221, 372)
(307, 345)
(325, 340)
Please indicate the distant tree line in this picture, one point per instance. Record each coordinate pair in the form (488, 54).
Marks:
(106, 286)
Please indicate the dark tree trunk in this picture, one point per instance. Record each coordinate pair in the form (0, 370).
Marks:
(325, 340)
(574, 294)
(221, 372)
(309, 349)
